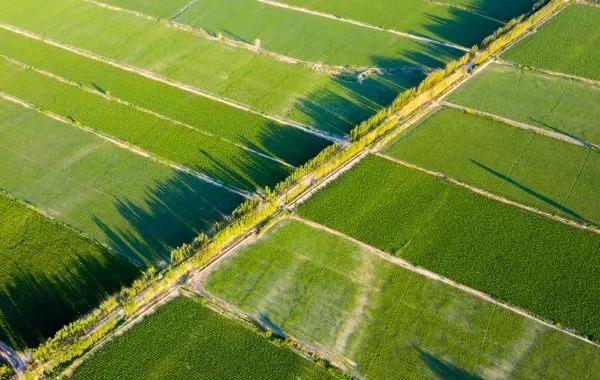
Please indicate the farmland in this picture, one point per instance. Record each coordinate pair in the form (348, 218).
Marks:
(524, 166)
(568, 43)
(550, 102)
(341, 297)
(49, 274)
(530, 261)
(184, 339)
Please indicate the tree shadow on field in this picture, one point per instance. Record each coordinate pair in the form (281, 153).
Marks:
(444, 369)
(548, 201)
(584, 142)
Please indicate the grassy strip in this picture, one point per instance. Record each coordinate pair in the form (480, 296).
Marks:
(530, 261)
(554, 103)
(382, 319)
(569, 43)
(75, 339)
(523, 166)
(184, 339)
(289, 144)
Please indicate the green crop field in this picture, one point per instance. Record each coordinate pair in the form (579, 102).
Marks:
(184, 340)
(49, 274)
(530, 261)
(465, 25)
(134, 205)
(158, 8)
(286, 143)
(333, 294)
(334, 104)
(550, 102)
(165, 139)
(568, 43)
(533, 169)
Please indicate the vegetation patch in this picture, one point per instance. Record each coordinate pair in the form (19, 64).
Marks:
(381, 319)
(568, 43)
(184, 340)
(530, 261)
(529, 168)
(550, 102)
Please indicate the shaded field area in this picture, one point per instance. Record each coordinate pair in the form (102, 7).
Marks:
(49, 274)
(333, 104)
(286, 143)
(168, 141)
(529, 168)
(383, 319)
(136, 206)
(184, 340)
(465, 25)
(538, 264)
(553, 103)
(308, 37)
(568, 43)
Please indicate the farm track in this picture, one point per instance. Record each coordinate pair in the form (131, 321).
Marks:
(364, 25)
(93, 91)
(492, 196)
(182, 86)
(124, 145)
(439, 278)
(527, 127)
(12, 358)
(549, 72)
(184, 9)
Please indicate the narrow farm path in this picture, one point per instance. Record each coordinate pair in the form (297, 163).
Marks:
(124, 145)
(363, 24)
(492, 196)
(439, 278)
(182, 86)
(527, 127)
(12, 358)
(183, 9)
(96, 92)
(592, 82)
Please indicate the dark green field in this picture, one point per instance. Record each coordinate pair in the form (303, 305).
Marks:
(530, 261)
(185, 340)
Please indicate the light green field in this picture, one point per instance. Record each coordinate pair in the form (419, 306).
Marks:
(331, 293)
(419, 17)
(524, 166)
(286, 143)
(274, 87)
(550, 102)
(533, 262)
(158, 8)
(140, 208)
(49, 274)
(164, 139)
(568, 43)
(185, 340)
(310, 37)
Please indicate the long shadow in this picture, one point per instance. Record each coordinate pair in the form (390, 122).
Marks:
(584, 142)
(444, 369)
(533, 193)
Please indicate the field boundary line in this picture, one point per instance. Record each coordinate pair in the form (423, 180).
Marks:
(528, 127)
(364, 25)
(439, 278)
(551, 73)
(158, 115)
(124, 145)
(183, 9)
(173, 83)
(466, 9)
(220, 38)
(492, 196)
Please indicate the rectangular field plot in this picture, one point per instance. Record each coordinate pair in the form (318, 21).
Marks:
(158, 8)
(568, 43)
(463, 22)
(529, 168)
(333, 104)
(530, 261)
(382, 319)
(554, 103)
(136, 206)
(185, 340)
(289, 144)
(49, 274)
(164, 139)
